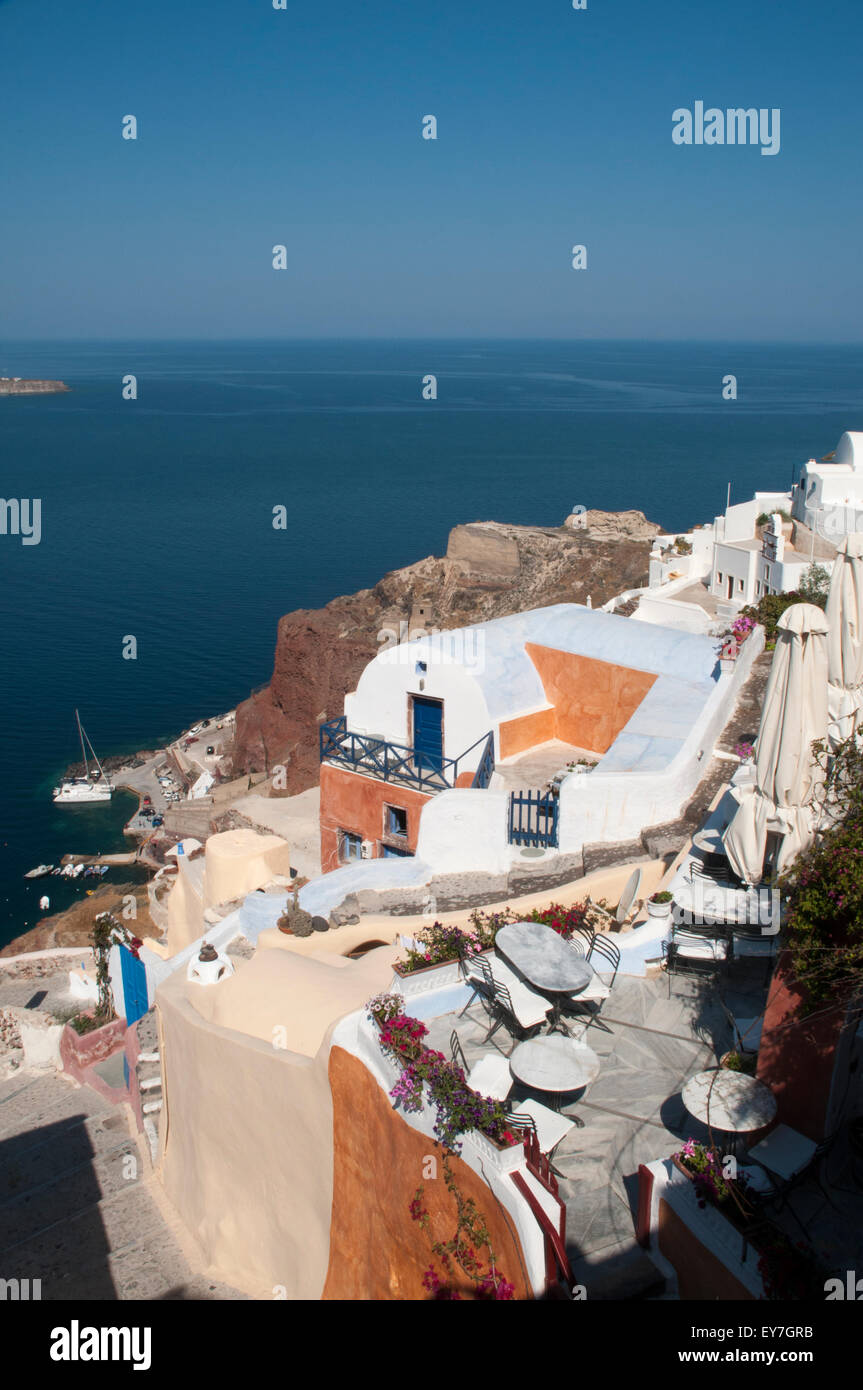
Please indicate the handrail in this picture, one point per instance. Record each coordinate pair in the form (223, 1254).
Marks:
(395, 762)
(553, 1238)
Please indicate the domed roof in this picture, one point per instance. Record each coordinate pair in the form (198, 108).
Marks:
(849, 450)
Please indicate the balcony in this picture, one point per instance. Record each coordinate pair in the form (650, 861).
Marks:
(391, 762)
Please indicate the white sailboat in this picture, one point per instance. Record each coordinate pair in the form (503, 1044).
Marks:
(92, 786)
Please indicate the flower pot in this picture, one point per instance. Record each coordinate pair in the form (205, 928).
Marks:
(429, 977)
(660, 910)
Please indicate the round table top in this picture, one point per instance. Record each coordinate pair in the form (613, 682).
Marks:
(543, 957)
(554, 1063)
(730, 1100)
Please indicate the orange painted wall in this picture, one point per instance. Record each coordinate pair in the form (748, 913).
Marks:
(376, 1250)
(793, 1048)
(526, 732)
(592, 700)
(355, 803)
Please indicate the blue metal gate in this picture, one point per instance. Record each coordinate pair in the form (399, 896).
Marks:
(533, 818)
(134, 978)
(428, 732)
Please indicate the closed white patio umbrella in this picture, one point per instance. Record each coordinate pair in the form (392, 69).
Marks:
(787, 775)
(845, 641)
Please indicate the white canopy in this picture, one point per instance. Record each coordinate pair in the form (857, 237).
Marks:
(845, 640)
(787, 775)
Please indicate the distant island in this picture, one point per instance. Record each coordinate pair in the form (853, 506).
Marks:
(23, 386)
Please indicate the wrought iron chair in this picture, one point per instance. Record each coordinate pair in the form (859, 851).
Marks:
(490, 1076)
(580, 940)
(699, 948)
(604, 959)
(548, 1127)
(783, 1162)
(513, 1005)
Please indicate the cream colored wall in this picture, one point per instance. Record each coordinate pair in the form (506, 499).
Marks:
(236, 863)
(246, 1151)
(246, 1134)
(239, 861)
(185, 913)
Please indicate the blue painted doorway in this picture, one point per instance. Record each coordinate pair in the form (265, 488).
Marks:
(134, 978)
(428, 733)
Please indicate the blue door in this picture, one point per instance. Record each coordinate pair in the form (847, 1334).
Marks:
(428, 733)
(134, 978)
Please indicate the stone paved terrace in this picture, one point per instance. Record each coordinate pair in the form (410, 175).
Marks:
(631, 1114)
(69, 1214)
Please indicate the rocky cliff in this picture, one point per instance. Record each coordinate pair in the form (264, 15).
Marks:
(489, 571)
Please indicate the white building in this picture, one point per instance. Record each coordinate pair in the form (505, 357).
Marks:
(447, 750)
(828, 496)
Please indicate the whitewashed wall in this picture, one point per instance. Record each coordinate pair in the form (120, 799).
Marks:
(465, 830)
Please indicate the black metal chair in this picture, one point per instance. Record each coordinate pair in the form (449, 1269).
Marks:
(457, 1053)
(498, 1004)
(699, 948)
(720, 874)
(604, 958)
(580, 941)
(773, 1190)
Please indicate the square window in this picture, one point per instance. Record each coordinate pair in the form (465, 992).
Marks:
(396, 821)
(350, 847)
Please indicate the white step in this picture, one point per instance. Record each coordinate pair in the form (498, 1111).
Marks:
(151, 1083)
(151, 1107)
(149, 1057)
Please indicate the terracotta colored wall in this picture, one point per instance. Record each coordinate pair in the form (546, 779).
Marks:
(592, 699)
(797, 1056)
(376, 1250)
(352, 802)
(526, 732)
(700, 1275)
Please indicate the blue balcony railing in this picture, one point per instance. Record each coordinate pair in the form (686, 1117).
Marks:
(392, 762)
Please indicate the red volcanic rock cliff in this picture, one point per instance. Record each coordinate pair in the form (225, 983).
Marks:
(489, 571)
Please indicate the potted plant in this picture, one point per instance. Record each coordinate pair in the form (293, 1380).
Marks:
(659, 904)
(745, 1062)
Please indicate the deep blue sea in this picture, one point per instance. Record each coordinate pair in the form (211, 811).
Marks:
(157, 513)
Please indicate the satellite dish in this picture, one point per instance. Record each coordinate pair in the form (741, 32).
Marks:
(628, 896)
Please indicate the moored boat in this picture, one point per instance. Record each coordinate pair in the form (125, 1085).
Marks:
(93, 786)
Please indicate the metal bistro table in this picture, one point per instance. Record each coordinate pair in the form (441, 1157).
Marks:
(554, 1064)
(546, 962)
(729, 1101)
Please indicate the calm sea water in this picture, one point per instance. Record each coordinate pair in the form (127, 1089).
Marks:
(157, 514)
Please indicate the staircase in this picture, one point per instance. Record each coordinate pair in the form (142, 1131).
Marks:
(77, 1210)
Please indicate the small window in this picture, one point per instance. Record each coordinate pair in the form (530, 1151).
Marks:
(718, 577)
(350, 847)
(740, 586)
(421, 668)
(396, 821)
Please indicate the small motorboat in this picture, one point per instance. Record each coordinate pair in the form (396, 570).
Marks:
(44, 903)
(40, 871)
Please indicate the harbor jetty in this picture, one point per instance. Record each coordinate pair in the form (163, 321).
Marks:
(23, 386)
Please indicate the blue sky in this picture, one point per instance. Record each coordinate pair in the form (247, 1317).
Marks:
(302, 127)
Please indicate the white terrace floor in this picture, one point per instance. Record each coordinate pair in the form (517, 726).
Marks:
(533, 769)
(633, 1113)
